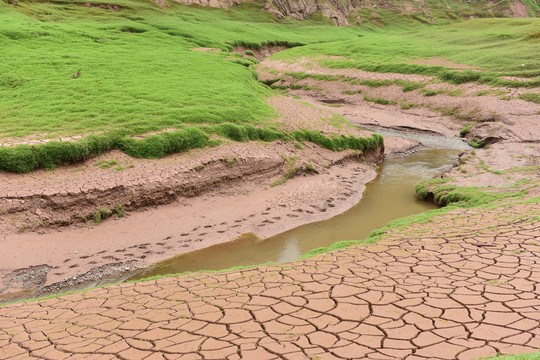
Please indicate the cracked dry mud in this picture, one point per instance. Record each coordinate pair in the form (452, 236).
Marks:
(462, 286)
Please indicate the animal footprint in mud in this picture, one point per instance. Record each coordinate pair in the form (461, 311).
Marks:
(202, 234)
(168, 237)
(252, 215)
(265, 213)
(184, 234)
(198, 240)
(85, 257)
(120, 250)
(142, 257)
(235, 226)
(92, 262)
(160, 244)
(309, 212)
(208, 226)
(237, 221)
(73, 266)
(195, 229)
(101, 252)
(185, 245)
(130, 254)
(221, 231)
(168, 247)
(67, 260)
(277, 218)
(223, 223)
(292, 215)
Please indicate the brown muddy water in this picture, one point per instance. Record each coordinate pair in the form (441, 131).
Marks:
(390, 196)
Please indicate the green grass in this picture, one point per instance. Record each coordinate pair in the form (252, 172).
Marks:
(25, 158)
(532, 97)
(497, 46)
(463, 196)
(532, 356)
(138, 72)
(378, 100)
(466, 129)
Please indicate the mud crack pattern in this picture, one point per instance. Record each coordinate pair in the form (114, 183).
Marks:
(464, 285)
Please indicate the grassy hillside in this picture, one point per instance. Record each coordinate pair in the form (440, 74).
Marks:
(139, 72)
(498, 47)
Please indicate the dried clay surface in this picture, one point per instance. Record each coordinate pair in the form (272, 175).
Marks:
(463, 286)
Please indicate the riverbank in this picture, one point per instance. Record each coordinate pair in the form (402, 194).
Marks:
(91, 222)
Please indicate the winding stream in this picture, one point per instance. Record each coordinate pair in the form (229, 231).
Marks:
(390, 196)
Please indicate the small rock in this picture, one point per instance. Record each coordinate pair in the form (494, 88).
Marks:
(75, 252)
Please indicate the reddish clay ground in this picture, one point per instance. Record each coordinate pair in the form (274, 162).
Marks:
(465, 285)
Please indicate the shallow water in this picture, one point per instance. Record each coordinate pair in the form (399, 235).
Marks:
(390, 196)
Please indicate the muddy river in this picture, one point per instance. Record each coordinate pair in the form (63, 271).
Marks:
(390, 196)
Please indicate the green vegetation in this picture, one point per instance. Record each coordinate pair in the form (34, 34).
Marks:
(477, 143)
(139, 73)
(372, 83)
(106, 164)
(532, 97)
(466, 130)
(292, 169)
(491, 93)
(25, 158)
(531, 356)
(379, 100)
(461, 196)
(103, 214)
(498, 47)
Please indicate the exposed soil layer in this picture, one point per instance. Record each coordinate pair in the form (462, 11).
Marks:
(463, 286)
(261, 53)
(435, 106)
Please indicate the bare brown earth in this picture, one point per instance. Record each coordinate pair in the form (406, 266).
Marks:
(446, 112)
(463, 286)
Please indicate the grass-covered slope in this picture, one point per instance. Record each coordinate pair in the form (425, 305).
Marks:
(138, 72)
(496, 47)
